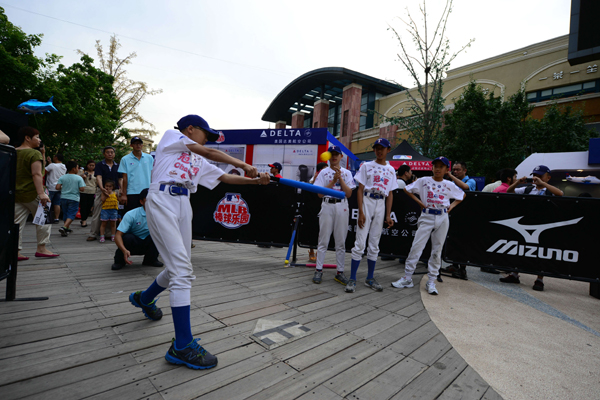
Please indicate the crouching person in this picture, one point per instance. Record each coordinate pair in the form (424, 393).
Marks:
(133, 238)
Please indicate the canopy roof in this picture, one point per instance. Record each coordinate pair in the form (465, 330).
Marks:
(324, 83)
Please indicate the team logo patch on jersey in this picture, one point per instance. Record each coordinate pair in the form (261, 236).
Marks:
(232, 211)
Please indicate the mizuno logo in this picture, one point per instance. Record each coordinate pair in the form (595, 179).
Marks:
(531, 233)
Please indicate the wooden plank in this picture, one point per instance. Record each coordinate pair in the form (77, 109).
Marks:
(252, 384)
(306, 343)
(142, 389)
(468, 385)
(431, 351)
(411, 309)
(390, 382)
(433, 381)
(331, 347)
(263, 312)
(363, 372)
(378, 326)
(399, 330)
(415, 339)
(320, 393)
(491, 394)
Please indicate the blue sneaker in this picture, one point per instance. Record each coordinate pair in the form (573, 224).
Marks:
(192, 356)
(150, 311)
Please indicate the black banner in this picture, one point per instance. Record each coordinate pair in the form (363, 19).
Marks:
(395, 241)
(8, 170)
(245, 213)
(554, 236)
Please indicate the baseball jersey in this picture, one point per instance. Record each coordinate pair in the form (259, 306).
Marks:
(326, 176)
(377, 178)
(435, 194)
(174, 163)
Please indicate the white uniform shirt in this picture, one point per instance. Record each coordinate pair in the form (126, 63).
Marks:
(377, 178)
(174, 163)
(534, 191)
(435, 194)
(53, 172)
(326, 176)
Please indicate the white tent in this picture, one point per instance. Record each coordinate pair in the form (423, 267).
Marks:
(556, 161)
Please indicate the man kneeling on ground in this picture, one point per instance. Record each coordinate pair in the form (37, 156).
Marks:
(133, 238)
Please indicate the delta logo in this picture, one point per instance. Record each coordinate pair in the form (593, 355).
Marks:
(232, 211)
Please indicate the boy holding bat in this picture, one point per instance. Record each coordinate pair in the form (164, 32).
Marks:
(334, 214)
(377, 180)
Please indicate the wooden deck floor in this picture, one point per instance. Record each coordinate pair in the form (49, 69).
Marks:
(87, 341)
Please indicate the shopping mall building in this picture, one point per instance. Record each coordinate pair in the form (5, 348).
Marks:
(344, 100)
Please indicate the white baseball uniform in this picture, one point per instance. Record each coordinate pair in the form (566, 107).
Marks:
(170, 215)
(379, 180)
(436, 197)
(333, 217)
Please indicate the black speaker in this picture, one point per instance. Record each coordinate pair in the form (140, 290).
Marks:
(8, 170)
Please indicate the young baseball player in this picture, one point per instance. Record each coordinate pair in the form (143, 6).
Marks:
(334, 214)
(179, 167)
(435, 194)
(376, 181)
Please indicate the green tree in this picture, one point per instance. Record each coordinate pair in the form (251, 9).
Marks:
(130, 93)
(486, 132)
(88, 111)
(428, 70)
(20, 69)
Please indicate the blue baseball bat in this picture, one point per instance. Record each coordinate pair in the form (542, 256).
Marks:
(311, 188)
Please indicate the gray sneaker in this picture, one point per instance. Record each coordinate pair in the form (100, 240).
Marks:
(318, 276)
(341, 278)
(373, 284)
(351, 286)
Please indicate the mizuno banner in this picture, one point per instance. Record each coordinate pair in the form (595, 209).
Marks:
(555, 236)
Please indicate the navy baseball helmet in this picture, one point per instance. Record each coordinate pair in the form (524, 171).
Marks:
(199, 122)
(540, 170)
(443, 160)
(382, 142)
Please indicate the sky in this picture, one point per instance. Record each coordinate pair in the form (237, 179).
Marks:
(226, 60)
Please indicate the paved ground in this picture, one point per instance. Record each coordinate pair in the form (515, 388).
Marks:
(86, 341)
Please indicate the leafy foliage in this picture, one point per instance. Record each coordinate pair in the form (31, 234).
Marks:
(428, 70)
(130, 93)
(491, 134)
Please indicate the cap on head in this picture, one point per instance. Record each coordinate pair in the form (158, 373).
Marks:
(540, 170)
(143, 194)
(197, 121)
(276, 165)
(136, 139)
(382, 142)
(442, 159)
(334, 149)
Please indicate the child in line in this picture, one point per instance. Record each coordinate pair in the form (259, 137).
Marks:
(435, 194)
(70, 185)
(110, 210)
(377, 180)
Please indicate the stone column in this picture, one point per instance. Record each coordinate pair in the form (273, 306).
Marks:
(350, 122)
(298, 120)
(280, 125)
(321, 114)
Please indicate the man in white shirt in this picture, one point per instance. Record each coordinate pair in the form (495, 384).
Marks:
(54, 170)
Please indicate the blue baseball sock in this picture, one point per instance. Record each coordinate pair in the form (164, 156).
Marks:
(183, 328)
(353, 268)
(149, 294)
(371, 265)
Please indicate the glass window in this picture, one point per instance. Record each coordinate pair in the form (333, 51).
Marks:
(546, 92)
(532, 95)
(566, 89)
(363, 123)
(589, 85)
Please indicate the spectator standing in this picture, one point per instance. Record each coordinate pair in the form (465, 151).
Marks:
(133, 238)
(87, 196)
(106, 169)
(54, 170)
(30, 190)
(508, 177)
(404, 175)
(541, 187)
(491, 186)
(276, 169)
(136, 170)
(459, 170)
(70, 186)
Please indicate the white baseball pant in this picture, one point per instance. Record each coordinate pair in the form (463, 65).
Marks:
(170, 224)
(374, 210)
(333, 217)
(436, 226)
